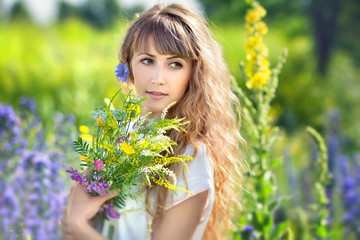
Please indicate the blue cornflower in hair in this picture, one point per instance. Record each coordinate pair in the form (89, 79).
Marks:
(121, 72)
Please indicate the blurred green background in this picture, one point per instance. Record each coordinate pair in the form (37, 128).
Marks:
(66, 61)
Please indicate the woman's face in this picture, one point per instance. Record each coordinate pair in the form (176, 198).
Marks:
(163, 79)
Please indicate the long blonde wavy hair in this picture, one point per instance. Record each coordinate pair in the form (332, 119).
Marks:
(208, 103)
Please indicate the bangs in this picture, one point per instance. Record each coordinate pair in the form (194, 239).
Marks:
(171, 37)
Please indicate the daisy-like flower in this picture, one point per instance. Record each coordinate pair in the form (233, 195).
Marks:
(128, 149)
(121, 72)
(84, 129)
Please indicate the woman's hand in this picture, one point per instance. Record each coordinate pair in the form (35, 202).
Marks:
(81, 207)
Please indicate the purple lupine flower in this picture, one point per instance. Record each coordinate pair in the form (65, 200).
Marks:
(11, 142)
(9, 210)
(37, 194)
(121, 72)
(8, 118)
(351, 195)
(28, 103)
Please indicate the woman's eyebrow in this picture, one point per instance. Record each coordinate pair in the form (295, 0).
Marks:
(146, 54)
(175, 56)
(171, 57)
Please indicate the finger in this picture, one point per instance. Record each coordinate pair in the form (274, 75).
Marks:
(102, 199)
(73, 192)
(110, 195)
(69, 195)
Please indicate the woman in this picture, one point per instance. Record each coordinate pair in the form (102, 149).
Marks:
(173, 57)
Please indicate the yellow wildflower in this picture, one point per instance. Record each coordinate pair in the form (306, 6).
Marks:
(252, 43)
(84, 129)
(84, 158)
(249, 69)
(261, 28)
(251, 56)
(99, 122)
(264, 50)
(128, 149)
(250, 26)
(86, 137)
(260, 12)
(134, 108)
(257, 80)
(265, 71)
(106, 128)
(252, 16)
(264, 62)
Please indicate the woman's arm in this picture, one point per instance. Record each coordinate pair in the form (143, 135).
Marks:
(81, 207)
(180, 221)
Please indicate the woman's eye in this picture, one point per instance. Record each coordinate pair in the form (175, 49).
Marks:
(146, 61)
(176, 65)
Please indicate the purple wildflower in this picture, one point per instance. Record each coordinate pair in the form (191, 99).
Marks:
(97, 177)
(31, 189)
(8, 119)
(248, 232)
(100, 188)
(121, 72)
(248, 228)
(76, 176)
(111, 212)
(28, 104)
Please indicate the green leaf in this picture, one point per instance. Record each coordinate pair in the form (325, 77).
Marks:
(273, 205)
(279, 230)
(81, 147)
(275, 162)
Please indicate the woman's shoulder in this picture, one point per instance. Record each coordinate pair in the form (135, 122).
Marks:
(195, 176)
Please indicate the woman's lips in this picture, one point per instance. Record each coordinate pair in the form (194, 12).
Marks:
(156, 95)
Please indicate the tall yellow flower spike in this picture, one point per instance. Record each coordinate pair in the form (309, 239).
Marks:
(257, 66)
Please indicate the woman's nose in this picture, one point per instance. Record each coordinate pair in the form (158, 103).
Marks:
(159, 76)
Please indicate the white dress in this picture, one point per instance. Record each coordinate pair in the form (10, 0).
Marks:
(134, 225)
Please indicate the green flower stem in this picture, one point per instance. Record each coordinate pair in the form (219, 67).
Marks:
(270, 92)
(248, 110)
(320, 226)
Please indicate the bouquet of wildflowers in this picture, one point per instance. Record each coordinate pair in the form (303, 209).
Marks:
(125, 152)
